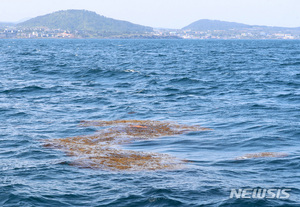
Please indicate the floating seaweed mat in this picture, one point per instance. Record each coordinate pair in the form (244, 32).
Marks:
(101, 150)
(261, 155)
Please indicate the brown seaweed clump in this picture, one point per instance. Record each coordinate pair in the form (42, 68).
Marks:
(101, 150)
(262, 155)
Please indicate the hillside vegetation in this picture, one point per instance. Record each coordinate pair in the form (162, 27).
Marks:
(82, 20)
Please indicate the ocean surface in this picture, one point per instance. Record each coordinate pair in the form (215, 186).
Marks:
(248, 92)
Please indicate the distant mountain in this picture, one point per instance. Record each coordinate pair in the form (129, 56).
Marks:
(6, 24)
(82, 20)
(206, 24)
(23, 20)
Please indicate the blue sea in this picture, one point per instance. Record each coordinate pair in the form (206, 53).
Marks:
(247, 91)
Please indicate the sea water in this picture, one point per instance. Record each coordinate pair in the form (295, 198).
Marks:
(247, 91)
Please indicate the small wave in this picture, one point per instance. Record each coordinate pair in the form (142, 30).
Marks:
(285, 95)
(93, 71)
(290, 64)
(169, 89)
(184, 80)
(131, 71)
(24, 89)
(29, 53)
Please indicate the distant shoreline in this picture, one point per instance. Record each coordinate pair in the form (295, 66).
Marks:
(146, 39)
(83, 24)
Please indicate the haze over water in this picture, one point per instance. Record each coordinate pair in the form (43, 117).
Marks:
(246, 91)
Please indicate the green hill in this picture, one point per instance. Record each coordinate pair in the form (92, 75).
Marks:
(205, 24)
(82, 20)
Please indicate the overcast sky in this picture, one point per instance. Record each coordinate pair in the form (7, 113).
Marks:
(165, 13)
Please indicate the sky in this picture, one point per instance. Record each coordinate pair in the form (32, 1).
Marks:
(164, 13)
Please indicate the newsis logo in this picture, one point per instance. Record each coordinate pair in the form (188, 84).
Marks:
(261, 193)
